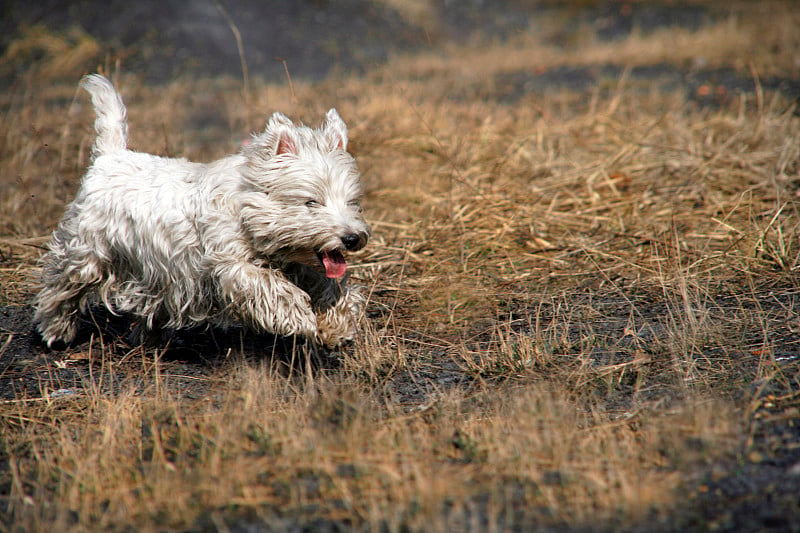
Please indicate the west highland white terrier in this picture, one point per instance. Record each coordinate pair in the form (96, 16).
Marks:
(257, 238)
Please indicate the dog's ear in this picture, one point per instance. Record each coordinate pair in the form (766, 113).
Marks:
(279, 136)
(335, 131)
(286, 144)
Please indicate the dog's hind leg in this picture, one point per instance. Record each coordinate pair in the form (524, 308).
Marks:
(71, 274)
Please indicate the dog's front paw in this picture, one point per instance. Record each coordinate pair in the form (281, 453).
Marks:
(337, 325)
(295, 317)
(332, 335)
(356, 301)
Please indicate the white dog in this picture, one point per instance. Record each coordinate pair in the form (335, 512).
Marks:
(256, 238)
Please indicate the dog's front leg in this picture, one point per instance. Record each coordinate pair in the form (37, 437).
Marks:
(264, 299)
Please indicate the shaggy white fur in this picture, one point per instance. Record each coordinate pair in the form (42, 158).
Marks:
(256, 238)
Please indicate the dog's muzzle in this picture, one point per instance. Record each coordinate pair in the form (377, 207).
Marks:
(333, 261)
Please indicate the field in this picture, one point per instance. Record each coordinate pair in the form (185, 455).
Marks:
(584, 306)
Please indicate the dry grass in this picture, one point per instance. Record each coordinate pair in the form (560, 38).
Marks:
(579, 303)
(337, 450)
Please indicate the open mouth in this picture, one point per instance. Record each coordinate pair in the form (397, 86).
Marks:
(333, 262)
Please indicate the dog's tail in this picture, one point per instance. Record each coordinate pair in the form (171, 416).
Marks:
(112, 117)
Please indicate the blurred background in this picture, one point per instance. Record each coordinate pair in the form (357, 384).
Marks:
(163, 39)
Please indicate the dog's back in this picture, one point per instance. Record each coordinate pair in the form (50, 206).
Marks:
(111, 123)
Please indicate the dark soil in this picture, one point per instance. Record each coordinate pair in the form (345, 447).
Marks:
(29, 369)
(705, 87)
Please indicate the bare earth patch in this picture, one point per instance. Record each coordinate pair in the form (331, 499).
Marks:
(584, 305)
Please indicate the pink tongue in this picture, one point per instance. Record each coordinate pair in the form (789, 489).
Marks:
(334, 263)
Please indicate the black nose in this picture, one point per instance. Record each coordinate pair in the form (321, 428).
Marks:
(351, 241)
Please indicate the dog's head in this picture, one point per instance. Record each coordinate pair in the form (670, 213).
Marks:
(300, 199)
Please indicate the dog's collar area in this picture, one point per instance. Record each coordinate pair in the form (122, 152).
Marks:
(333, 262)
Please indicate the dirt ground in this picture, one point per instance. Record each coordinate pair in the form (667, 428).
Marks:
(755, 489)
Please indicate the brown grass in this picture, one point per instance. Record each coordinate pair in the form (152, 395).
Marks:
(579, 303)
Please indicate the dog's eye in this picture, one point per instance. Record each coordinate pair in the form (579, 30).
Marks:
(312, 204)
(354, 205)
